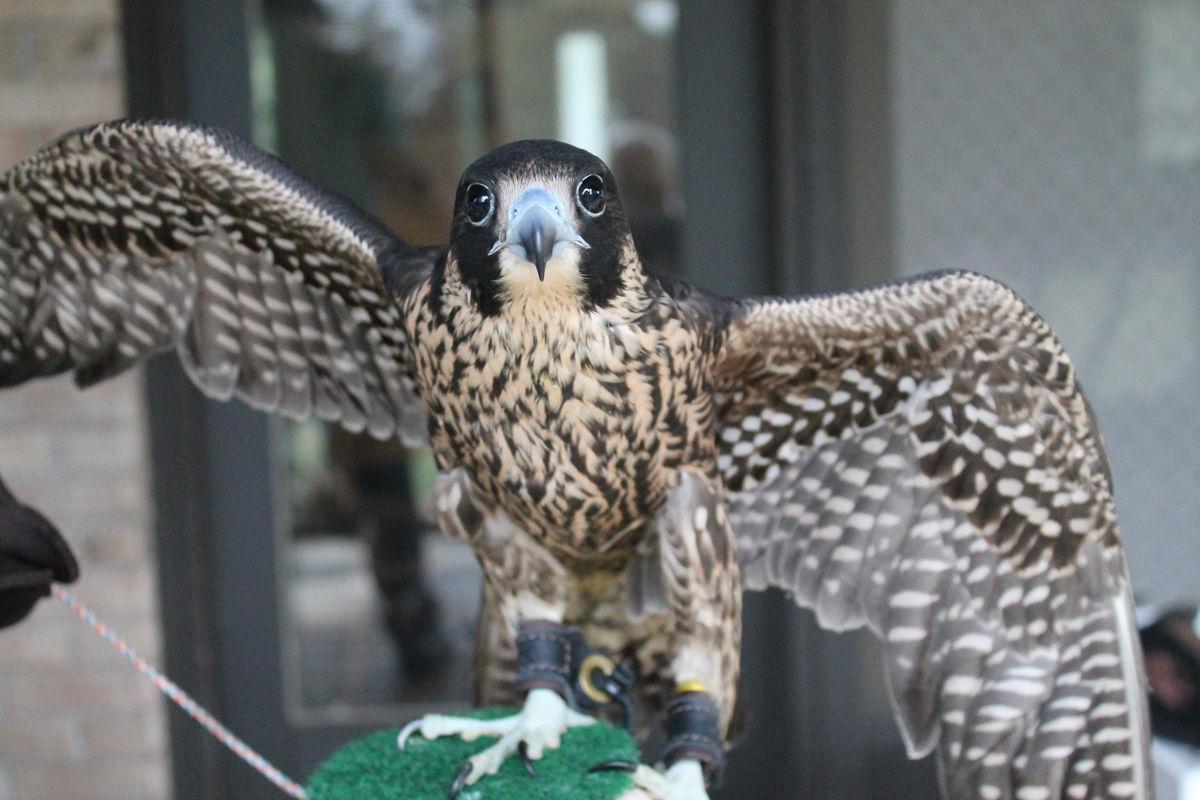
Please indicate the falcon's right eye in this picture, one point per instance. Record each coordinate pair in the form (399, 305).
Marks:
(481, 204)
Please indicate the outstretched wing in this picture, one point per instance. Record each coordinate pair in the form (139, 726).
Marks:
(134, 236)
(919, 458)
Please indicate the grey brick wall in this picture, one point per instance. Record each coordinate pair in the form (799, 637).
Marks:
(75, 721)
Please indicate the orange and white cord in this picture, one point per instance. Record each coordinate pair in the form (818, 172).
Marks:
(181, 698)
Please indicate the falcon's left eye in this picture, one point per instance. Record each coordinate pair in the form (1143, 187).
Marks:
(480, 204)
(590, 195)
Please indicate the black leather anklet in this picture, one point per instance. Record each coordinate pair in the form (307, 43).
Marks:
(694, 731)
(557, 657)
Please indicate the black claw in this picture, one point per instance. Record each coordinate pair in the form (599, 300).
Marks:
(523, 753)
(460, 780)
(616, 765)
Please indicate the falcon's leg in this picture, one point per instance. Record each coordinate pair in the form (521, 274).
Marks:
(703, 588)
(528, 584)
(683, 780)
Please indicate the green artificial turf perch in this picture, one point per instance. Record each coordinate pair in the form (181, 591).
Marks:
(373, 768)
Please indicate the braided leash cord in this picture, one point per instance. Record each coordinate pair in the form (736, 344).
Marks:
(180, 697)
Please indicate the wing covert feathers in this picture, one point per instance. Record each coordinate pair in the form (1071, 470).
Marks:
(134, 236)
(920, 458)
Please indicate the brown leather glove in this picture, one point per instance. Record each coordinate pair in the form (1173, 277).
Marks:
(32, 556)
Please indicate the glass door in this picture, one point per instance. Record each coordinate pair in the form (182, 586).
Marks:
(305, 593)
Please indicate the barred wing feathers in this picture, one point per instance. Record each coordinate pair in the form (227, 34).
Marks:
(919, 458)
(135, 236)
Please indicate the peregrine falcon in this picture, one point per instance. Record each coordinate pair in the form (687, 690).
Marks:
(627, 453)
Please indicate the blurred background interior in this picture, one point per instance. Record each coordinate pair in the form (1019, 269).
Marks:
(288, 574)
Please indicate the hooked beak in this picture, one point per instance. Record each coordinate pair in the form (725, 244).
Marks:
(536, 229)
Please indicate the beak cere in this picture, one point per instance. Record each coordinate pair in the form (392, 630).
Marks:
(537, 233)
(537, 226)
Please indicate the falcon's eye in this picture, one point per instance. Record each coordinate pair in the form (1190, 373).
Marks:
(590, 195)
(480, 204)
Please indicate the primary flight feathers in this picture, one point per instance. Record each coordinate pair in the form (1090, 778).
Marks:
(131, 237)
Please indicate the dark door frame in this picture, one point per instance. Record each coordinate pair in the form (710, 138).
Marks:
(787, 164)
(212, 474)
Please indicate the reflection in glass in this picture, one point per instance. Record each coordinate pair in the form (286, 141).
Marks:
(1072, 175)
(386, 101)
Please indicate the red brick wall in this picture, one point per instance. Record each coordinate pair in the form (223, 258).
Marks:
(75, 721)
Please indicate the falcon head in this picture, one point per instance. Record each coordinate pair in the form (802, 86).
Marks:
(538, 222)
